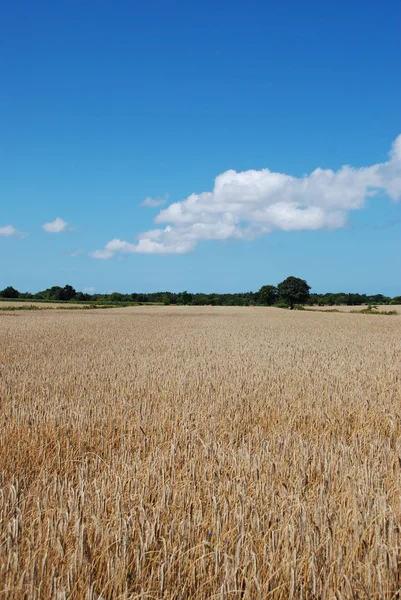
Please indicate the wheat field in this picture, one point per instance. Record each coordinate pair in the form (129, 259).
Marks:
(356, 308)
(199, 453)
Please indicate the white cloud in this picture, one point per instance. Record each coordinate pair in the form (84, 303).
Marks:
(56, 226)
(89, 289)
(112, 247)
(152, 202)
(102, 254)
(251, 203)
(11, 231)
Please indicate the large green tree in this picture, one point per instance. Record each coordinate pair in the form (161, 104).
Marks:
(293, 290)
(267, 295)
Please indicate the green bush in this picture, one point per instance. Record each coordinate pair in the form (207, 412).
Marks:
(367, 311)
(282, 305)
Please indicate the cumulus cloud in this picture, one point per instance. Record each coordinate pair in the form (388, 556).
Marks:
(56, 226)
(244, 205)
(153, 202)
(10, 231)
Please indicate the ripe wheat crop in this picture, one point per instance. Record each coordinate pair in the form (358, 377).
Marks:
(199, 453)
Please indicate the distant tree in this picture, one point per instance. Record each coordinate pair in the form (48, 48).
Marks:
(81, 297)
(68, 292)
(9, 292)
(165, 298)
(199, 299)
(116, 297)
(379, 299)
(53, 293)
(313, 299)
(355, 299)
(267, 295)
(293, 290)
(184, 298)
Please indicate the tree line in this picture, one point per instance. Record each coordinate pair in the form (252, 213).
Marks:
(289, 292)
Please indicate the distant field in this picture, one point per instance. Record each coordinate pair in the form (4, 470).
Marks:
(26, 303)
(40, 304)
(345, 308)
(199, 453)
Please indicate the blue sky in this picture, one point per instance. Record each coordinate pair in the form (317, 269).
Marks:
(104, 105)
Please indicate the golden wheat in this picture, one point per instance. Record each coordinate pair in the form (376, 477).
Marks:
(345, 308)
(199, 453)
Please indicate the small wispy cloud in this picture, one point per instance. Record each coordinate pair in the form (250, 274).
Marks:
(75, 252)
(56, 226)
(11, 231)
(389, 224)
(154, 202)
(89, 289)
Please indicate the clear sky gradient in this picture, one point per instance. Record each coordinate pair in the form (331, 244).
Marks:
(114, 113)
